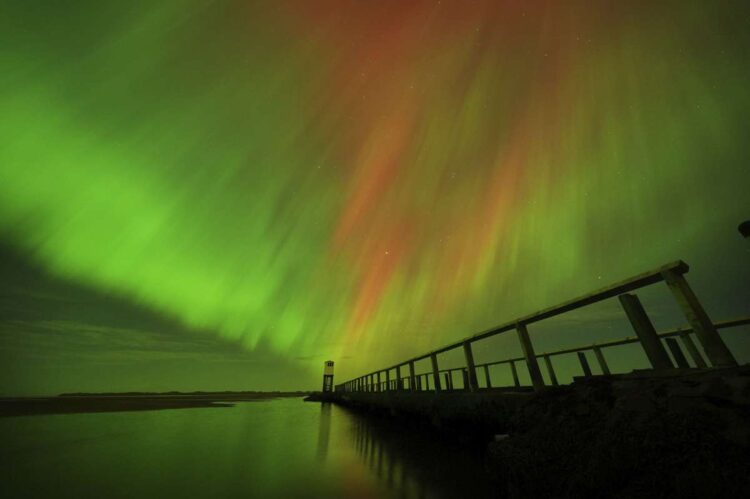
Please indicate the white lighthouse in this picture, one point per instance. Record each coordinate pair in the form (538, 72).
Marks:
(328, 376)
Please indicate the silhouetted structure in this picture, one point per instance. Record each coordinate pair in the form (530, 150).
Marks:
(328, 376)
(700, 327)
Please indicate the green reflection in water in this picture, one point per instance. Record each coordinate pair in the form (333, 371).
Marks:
(279, 448)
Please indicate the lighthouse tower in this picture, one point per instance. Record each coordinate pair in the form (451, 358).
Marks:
(328, 376)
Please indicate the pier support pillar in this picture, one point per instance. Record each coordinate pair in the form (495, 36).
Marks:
(650, 341)
(399, 379)
(528, 350)
(677, 355)
(412, 378)
(380, 386)
(693, 350)
(388, 386)
(716, 350)
(472, 384)
(487, 376)
(550, 370)
(602, 361)
(435, 371)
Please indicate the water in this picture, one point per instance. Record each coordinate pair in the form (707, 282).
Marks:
(268, 449)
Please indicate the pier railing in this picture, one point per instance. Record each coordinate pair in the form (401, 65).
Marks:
(673, 274)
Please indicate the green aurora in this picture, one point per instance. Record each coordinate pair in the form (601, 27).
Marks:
(225, 194)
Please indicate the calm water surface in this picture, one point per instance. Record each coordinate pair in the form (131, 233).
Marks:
(277, 448)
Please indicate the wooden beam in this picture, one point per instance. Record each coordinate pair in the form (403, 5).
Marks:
(677, 355)
(715, 348)
(651, 343)
(693, 350)
(473, 383)
(602, 361)
(550, 370)
(528, 350)
(514, 372)
(435, 371)
(584, 364)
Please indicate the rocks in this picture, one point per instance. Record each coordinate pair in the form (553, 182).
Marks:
(638, 436)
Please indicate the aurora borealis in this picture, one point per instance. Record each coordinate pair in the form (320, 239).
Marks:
(363, 181)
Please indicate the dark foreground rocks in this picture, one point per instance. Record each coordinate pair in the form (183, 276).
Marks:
(646, 434)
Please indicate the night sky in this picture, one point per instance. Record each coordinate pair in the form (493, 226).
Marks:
(201, 195)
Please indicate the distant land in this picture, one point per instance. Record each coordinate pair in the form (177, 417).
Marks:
(72, 403)
(199, 393)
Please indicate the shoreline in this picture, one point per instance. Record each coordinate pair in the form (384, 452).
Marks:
(111, 402)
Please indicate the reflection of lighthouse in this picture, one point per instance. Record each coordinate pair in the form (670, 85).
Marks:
(328, 376)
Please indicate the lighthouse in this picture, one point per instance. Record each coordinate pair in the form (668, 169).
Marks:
(328, 376)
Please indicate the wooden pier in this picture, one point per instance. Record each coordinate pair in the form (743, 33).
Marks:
(404, 379)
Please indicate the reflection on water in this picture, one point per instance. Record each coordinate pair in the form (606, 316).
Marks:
(279, 448)
(324, 430)
(414, 463)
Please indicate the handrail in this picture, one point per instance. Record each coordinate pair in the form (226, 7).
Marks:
(740, 321)
(671, 273)
(625, 286)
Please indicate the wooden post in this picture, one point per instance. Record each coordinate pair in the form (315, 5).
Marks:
(472, 382)
(646, 333)
(514, 371)
(602, 361)
(584, 364)
(379, 382)
(550, 370)
(693, 350)
(487, 376)
(388, 385)
(679, 357)
(528, 350)
(399, 385)
(412, 381)
(715, 348)
(435, 371)
(446, 375)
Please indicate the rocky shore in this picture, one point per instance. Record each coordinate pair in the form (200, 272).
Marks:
(640, 435)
